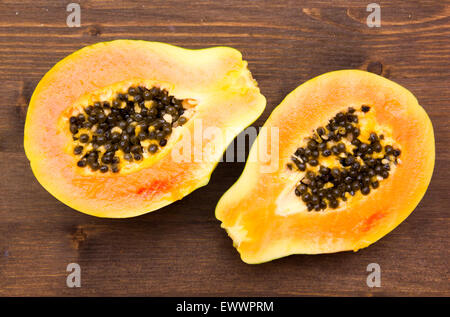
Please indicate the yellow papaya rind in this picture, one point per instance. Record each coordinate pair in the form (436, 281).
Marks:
(247, 209)
(216, 77)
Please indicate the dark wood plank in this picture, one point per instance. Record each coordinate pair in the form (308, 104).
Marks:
(181, 250)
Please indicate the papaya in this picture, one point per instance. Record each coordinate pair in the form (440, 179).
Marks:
(354, 156)
(118, 129)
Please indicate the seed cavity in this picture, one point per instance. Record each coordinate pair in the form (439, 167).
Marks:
(360, 166)
(135, 122)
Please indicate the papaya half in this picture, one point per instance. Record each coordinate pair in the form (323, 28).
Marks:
(354, 157)
(121, 128)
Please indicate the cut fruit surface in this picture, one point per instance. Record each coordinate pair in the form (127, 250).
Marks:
(106, 125)
(354, 157)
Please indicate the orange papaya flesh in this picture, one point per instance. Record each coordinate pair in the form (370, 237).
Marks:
(301, 207)
(162, 90)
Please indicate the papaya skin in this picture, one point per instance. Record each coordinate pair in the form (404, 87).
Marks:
(216, 78)
(251, 211)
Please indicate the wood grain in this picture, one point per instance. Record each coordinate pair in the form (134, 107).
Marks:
(181, 250)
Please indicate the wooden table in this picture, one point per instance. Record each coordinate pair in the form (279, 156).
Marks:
(180, 249)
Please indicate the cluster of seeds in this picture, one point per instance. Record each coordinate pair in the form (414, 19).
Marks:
(360, 166)
(104, 128)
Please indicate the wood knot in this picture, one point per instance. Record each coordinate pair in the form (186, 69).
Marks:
(378, 68)
(375, 67)
(78, 237)
(23, 99)
(94, 30)
(22, 106)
